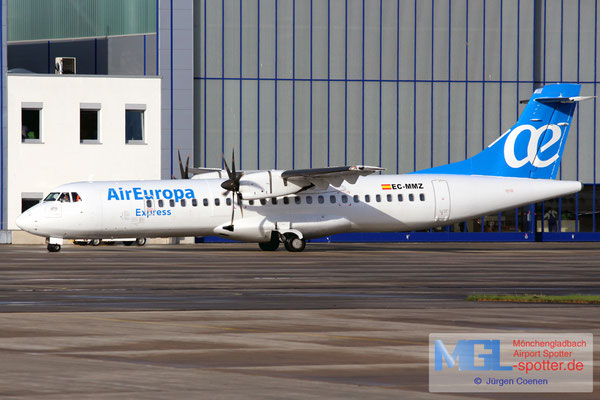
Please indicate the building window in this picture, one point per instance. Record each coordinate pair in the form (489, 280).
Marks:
(134, 126)
(29, 200)
(88, 125)
(30, 124)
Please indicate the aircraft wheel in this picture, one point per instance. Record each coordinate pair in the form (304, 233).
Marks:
(53, 248)
(96, 242)
(269, 246)
(140, 241)
(128, 242)
(293, 243)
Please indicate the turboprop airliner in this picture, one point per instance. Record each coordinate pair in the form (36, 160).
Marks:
(291, 206)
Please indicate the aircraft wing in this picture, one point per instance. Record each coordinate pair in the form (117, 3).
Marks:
(334, 176)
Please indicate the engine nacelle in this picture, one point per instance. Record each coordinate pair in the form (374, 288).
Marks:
(264, 184)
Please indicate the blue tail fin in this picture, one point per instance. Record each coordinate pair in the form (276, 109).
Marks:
(533, 147)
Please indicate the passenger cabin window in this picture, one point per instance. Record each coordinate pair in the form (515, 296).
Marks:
(161, 203)
(30, 124)
(274, 200)
(228, 201)
(422, 197)
(297, 200)
(400, 197)
(251, 202)
(378, 198)
(344, 198)
(217, 202)
(194, 203)
(411, 197)
(389, 197)
(205, 202)
(134, 125)
(263, 201)
(286, 200)
(332, 199)
(182, 202)
(321, 199)
(368, 198)
(356, 198)
(53, 196)
(308, 199)
(171, 203)
(149, 203)
(64, 198)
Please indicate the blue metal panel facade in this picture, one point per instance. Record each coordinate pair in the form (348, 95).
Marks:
(404, 84)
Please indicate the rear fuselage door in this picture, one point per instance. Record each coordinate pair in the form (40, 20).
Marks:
(442, 200)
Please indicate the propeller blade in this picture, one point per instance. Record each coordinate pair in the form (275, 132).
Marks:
(181, 171)
(226, 167)
(232, 207)
(234, 175)
(239, 198)
(187, 167)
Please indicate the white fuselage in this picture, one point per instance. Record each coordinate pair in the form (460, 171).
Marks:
(199, 207)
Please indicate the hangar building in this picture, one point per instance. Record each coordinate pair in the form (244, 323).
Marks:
(403, 84)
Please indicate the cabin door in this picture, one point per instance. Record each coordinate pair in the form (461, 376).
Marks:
(442, 200)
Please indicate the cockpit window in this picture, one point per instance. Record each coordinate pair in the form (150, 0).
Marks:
(52, 196)
(75, 197)
(64, 198)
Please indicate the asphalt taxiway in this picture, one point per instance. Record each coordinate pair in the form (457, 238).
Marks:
(229, 321)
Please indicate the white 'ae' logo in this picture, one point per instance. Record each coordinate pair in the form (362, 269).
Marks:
(533, 156)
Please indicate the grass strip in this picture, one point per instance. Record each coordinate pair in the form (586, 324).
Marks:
(537, 298)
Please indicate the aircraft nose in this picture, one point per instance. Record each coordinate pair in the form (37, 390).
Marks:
(25, 221)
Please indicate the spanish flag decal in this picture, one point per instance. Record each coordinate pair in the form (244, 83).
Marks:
(386, 186)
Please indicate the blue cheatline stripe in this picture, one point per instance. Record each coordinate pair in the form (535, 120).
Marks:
(276, 104)
(397, 86)
(328, 77)
(362, 122)
(241, 89)
(415, 89)
(346, 84)
(431, 93)
(157, 30)
(258, 86)
(171, 66)
(294, 84)
(310, 122)
(380, 62)
(449, 69)
(144, 55)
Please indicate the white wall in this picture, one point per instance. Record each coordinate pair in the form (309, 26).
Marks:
(61, 158)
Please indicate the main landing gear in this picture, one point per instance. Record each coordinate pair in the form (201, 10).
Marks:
(290, 240)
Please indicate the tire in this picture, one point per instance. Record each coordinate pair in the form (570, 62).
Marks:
(293, 243)
(95, 242)
(140, 241)
(128, 242)
(53, 248)
(269, 246)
